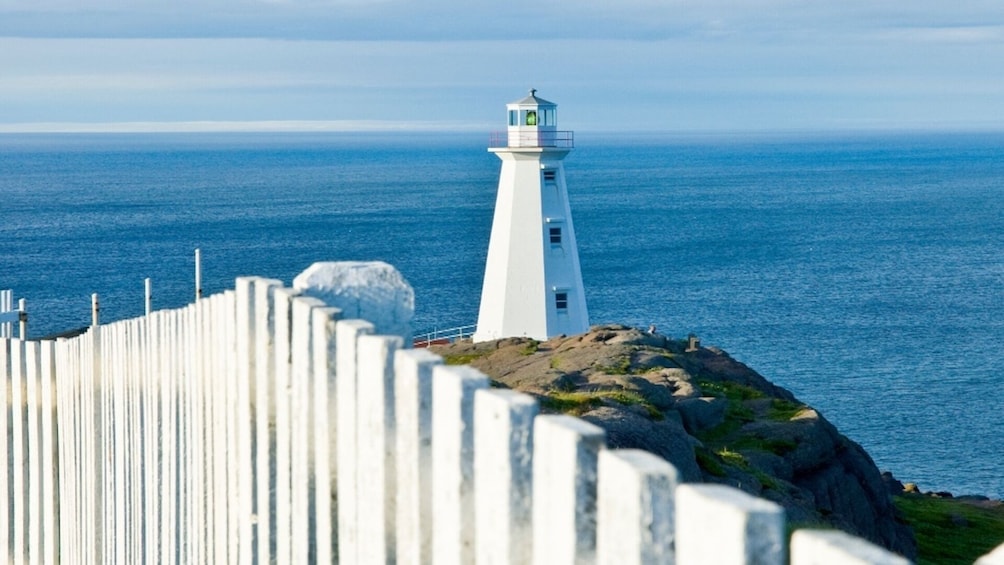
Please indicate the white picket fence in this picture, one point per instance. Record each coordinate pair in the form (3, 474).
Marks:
(255, 426)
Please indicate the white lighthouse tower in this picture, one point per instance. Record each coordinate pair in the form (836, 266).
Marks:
(533, 284)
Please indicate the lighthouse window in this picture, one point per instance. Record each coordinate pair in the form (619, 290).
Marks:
(555, 236)
(547, 117)
(561, 301)
(549, 176)
(531, 118)
(514, 117)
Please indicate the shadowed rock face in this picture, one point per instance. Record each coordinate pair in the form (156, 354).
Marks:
(714, 418)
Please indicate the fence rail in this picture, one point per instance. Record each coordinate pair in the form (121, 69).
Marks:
(440, 337)
(256, 426)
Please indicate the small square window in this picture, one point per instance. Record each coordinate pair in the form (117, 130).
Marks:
(550, 176)
(561, 301)
(555, 236)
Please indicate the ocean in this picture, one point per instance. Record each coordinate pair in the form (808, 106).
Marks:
(864, 272)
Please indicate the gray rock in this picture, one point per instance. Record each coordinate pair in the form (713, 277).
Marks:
(702, 413)
(665, 438)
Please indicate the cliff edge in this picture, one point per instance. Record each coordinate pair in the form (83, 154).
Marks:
(714, 418)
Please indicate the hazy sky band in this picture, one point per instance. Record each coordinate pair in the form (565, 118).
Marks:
(610, 66)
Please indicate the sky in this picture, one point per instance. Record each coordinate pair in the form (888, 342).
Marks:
(610, 65)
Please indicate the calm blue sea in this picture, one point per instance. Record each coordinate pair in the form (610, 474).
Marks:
(865, 273)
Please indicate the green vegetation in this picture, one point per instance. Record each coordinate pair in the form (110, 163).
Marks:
(578, 403)
(777, 446)
(621, 366)
(784, 410)
(951, 531)
(530, 348)
(716, 462)
(707, 460)
(464, 358)
(726, 389)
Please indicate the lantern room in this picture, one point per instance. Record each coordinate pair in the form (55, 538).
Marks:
(533, 122)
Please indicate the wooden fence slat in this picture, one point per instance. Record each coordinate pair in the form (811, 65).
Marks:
(282, 303)
(453, 391)
(503, 476)
(49, 456)
(244, 374)
(6, 493)
(809, 547)
(413, 409)
(720, 524)
(264, 387)
(33, 374)
(301, 429)
(323, 436)
(634, 508)
(19, 490)
(347, 334)
(375, 463)
(565, 451)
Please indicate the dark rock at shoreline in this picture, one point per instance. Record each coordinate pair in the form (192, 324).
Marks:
(713, 417)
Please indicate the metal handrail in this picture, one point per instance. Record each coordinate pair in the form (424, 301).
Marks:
(557, 139)
(448, 335)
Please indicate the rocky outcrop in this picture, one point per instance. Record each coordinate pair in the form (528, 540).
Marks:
(714, 418)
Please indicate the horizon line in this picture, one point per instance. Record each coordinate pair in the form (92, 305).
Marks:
(239, 126)
(416, 126)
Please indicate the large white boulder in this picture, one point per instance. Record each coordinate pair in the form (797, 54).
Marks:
(370, 290)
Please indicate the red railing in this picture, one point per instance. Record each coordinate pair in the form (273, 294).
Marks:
(558, 139)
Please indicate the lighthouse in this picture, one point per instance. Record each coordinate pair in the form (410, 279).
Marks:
(533, 283)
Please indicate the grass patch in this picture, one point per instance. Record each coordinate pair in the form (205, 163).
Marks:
(715, 463)
(707, 461)
(951, 531)
(784, 410)
(621, 367)
(530, 348)
(779, 447)
(578, 403)
(463, 358)
(729, 390)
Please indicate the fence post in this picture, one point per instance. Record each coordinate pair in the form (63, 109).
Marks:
(22, 318)
(6, 307)
(347, 333)
(565, 454)
(413, 409)
(198, 274)
(634, 508)
(726, 525)
(453, 391)
(503, 476)
(375, 462)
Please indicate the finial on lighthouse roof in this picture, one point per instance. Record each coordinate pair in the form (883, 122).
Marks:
(532, 100)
